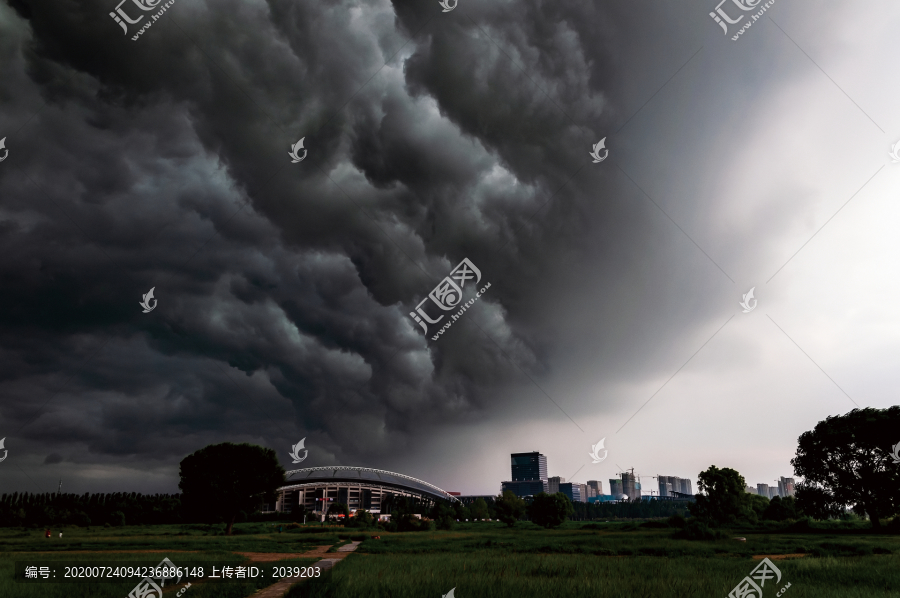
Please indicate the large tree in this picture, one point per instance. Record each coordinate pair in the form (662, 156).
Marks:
(846, 460)
(724, 497)
(222, 480)
(510, 508)
(550, 510)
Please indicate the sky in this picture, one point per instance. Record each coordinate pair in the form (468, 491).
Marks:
(282, 289)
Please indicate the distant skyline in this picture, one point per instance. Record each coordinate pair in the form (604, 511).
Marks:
(282, 289)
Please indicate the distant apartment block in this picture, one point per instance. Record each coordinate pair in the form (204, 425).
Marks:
(762, 490)
(786, 487)
(631, 487)
(615, 487)
(575, 492)
(553, 484)
(669, 485)
(594, 488)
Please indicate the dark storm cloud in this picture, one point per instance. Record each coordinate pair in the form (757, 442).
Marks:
(284, 289)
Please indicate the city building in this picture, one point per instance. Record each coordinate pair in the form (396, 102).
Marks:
(595, 488)
(786, 487)
(524, 487)
(528, 466)
(751, 490)
(615, 487)
(665, 487)
(553, 484)
(575, 492)
(630, 485)
(529, 474)
(762, 490)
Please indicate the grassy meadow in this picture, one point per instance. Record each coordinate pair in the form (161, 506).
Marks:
(482, 560)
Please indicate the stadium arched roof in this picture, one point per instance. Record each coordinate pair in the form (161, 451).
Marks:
(343, 473)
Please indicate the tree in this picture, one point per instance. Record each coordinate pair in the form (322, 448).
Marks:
(845, 460)
(510, 508)
(363, 518)
(550, 510)
(780, 509)
(725, 498)
(479, 509)
(224, 479)
(298, 513)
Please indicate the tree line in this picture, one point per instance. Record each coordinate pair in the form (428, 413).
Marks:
(116, 508)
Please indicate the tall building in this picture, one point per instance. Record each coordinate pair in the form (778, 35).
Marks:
(762, 490)
(528, 466)
(529, 474)
(668, 485)
(786, 487)
(665, 488)
(573, 491)
(631, 486)
(615, 487)
(595, 488)
(553, 484)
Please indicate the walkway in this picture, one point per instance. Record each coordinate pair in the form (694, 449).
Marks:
(280, 588)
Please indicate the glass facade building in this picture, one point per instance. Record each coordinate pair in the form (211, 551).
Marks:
(528, 466)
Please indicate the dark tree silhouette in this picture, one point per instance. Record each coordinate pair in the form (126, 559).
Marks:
(225, 479)
(550, 510)
(724, 497)
(846, 460)
(509, 507)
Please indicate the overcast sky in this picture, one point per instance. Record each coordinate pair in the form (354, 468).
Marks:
(285, 289)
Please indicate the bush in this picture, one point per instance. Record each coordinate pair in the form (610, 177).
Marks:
(677, 521)
(697, 530)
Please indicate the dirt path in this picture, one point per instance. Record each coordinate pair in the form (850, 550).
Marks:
(280, 588)
(778, 557)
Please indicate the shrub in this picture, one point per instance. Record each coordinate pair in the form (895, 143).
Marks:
(697, 530)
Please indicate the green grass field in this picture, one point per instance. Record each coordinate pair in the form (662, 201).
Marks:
(482, 560)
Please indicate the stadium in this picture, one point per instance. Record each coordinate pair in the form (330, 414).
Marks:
(357, 487)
